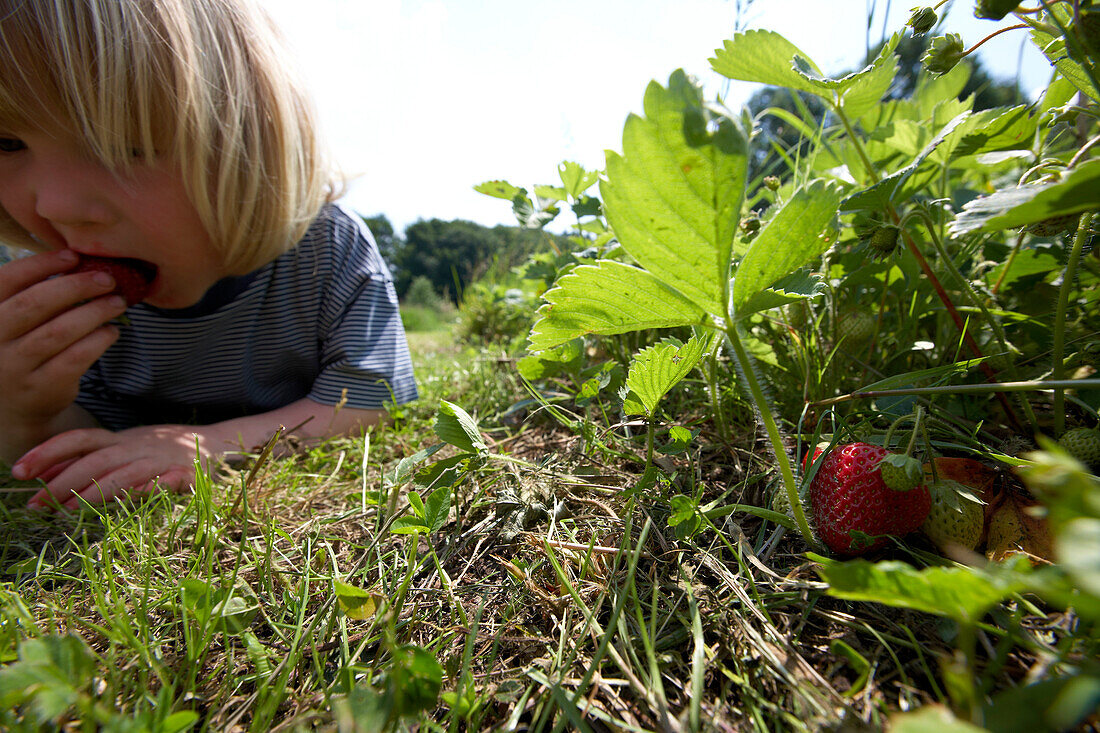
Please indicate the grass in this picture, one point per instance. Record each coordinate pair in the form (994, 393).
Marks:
(553, 595)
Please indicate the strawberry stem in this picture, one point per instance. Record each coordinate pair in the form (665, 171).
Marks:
(752, 385)
(1059, 346)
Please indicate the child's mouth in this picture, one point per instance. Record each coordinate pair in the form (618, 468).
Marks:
(133, 277)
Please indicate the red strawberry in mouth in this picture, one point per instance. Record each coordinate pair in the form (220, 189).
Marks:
(133, 277)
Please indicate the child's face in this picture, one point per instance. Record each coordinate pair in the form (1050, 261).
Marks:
(65, 198)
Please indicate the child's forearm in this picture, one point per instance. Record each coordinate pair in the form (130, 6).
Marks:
(305, 419)
(17, 437)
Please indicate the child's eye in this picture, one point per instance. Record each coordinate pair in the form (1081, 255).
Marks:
(11, 145)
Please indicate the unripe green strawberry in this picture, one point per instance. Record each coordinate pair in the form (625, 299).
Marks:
(1006, 531)
(944, 53)
(1087, 29)
(901, 473)
(1083, 444)
(922, 20)
(884, 240)
(1054, 225)
(798, 315)
(772, 183)
(855, 327)
(953, 520)
(994, 9)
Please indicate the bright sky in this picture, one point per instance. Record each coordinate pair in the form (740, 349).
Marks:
(424, 99)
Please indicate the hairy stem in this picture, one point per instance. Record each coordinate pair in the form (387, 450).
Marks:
(1059, 347)
(756, 393)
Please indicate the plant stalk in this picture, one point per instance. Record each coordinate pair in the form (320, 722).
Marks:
(772, 429)
(1059, 346)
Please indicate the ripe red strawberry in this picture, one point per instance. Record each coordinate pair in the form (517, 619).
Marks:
(848, 495)
(133, 277)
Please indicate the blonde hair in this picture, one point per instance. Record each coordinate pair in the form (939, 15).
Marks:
(202, 83)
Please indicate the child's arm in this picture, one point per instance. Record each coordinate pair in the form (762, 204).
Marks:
(135, 460)
(51, 330)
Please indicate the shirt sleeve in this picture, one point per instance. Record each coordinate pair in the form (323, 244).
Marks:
(364, 354)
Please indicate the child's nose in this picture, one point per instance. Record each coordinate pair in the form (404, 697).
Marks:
(72, 194)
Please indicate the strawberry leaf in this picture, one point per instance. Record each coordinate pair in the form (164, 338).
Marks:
(656, 370)
(673, 198)
(1021, 205)
(961, 593)
(609, 298)
(455, 426)
(790, 240)
(765, 57)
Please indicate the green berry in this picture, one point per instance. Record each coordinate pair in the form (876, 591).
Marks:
(884, 240)
(772, 183)
(1083, 444)
(1054, 225)
(855, 327)
(901, 473)
(953, 520)
(944, 53)
(994, 9)
(922, 20)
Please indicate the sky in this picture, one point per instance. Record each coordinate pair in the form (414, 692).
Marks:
(421, 100)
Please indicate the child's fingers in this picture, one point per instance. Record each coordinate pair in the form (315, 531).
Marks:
(43, 302)
(71, 342)
(18, 275)
(133, 480)
(64, 448)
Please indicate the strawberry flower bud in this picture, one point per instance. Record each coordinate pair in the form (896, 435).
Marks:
(922, 20)
(944, 53)
(994, 9)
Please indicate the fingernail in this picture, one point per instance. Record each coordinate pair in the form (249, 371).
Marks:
(102, 278)
(117, 302)
(67, 255)
(19, 471)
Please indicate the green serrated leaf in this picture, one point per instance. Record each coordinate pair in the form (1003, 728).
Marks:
(608, 298)
(500, 190)
(437, 507)
(1004, 128)
(575, 178)
(455, 426)
(673, 198)
(355, 602)
(416, 677)
(885, 193)
(961, 593)
(765, 57)
(551, 193)
(931, 719)
(788, 242)
(656, 369)
(796, 286)
(860, 90)
(1008, 208)
(1054, 48)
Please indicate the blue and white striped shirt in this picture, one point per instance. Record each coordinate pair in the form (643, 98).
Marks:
(321, 321)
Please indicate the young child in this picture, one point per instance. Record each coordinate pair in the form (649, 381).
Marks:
(170, 131)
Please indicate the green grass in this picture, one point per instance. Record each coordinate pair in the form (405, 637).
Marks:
(554, 595)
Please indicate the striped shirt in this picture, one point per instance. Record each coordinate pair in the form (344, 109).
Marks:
(321, 321)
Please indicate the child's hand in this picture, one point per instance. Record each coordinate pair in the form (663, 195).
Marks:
(102, 466)
(51, 330)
